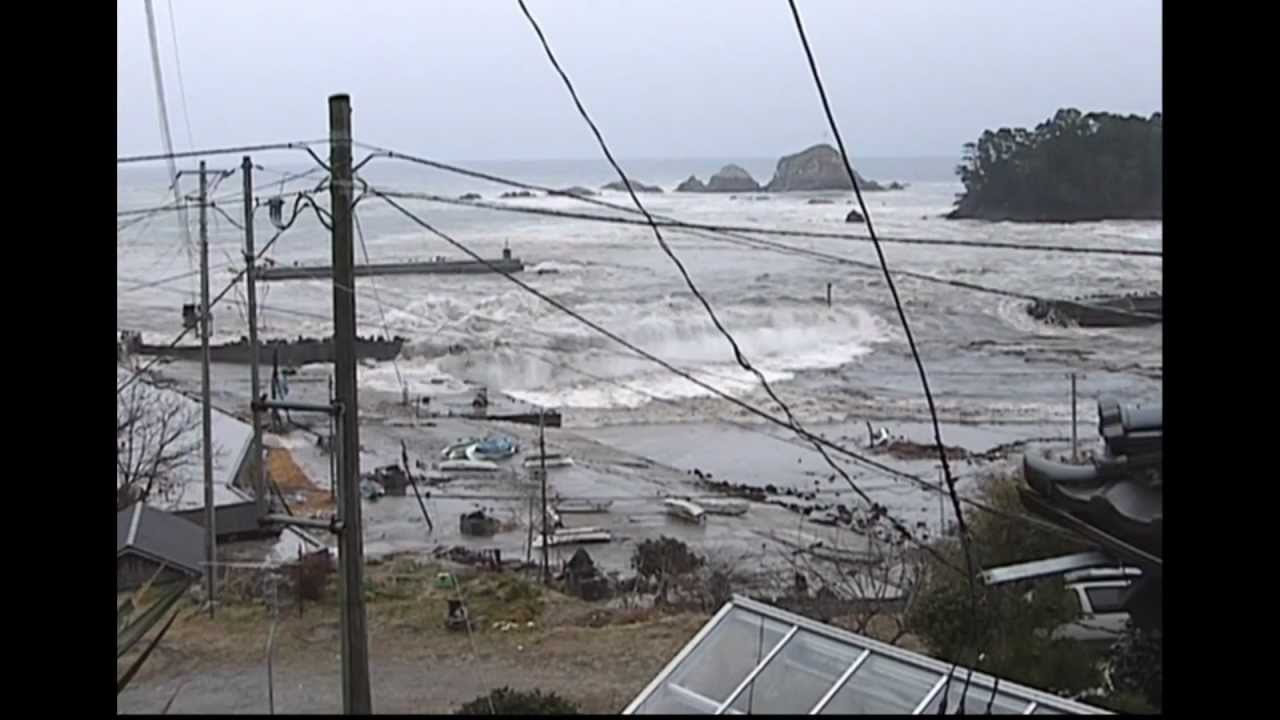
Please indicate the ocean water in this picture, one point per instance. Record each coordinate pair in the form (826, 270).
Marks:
(988, 361)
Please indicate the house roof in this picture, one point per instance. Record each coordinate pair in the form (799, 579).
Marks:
(755, 658)
(239, 519)
(159, 536)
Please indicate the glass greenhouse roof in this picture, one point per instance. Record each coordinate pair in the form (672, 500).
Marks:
(755, 658)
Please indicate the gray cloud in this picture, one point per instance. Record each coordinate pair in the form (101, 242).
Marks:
(467, 80)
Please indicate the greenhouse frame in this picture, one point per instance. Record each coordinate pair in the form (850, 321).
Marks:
(755, 658)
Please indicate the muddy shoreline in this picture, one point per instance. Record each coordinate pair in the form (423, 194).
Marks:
(633, 466)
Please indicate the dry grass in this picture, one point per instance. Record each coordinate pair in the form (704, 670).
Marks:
(292, 480)
(598, 657)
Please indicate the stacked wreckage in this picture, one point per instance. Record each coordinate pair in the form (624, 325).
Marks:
(1115, 503)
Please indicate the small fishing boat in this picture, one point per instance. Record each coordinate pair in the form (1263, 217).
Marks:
(724, 507)
(574, 536)
(685, 510)
(583, 506)
(468, 466)
(494, 447)
(458, 450)
(553, 460)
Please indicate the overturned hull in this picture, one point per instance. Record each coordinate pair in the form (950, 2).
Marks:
(290, 352)
(1111, 311)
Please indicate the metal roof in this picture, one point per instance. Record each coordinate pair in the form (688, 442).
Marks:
(159, 536)
(755, 658)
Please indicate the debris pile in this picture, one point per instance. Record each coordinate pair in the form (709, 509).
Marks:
(478, 524)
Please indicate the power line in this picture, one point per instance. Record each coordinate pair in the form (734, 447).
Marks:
(662, 221)
(902, 315)
(877, 509)
(733, 343)
(237, 150)
(532, 351)
(704, 231)
(182, 89)
(224, 214)
(921, 482)
(142, 285)
(527, 348)
(377, 300)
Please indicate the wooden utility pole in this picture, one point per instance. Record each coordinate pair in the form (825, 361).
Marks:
(206, 407)
(257, 466)
(356, 695)
(542, 470)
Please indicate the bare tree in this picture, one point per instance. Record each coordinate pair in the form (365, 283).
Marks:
(155, 438)
(869, 596)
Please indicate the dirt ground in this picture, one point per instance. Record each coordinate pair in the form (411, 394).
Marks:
(598, 657)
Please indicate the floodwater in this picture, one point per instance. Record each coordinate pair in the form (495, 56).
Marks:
(997, 375)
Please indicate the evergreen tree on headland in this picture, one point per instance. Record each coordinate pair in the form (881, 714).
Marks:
(1072, 167)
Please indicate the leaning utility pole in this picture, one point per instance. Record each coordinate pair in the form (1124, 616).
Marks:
(257, 467)
(206, 413)
(1075, 456)
(542, 471)
(356, 696)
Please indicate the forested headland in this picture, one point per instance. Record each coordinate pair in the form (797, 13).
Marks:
(1072, 167)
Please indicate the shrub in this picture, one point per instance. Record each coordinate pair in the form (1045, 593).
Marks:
(313, 573)
(664, 560)
(505, 701)
(1011, 625)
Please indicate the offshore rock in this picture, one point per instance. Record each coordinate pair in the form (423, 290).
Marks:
(815, 168)
(693, 184)
(731, 178)
(635, 185)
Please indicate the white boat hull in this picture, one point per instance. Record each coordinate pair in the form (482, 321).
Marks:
(724, 507)
(468, 466)
(583, 536)
(553, 461)
(583, 507)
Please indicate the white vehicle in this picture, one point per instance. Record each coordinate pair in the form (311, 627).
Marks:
(1100, 593)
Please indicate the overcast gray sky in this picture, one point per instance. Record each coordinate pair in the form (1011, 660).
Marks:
(467, 80)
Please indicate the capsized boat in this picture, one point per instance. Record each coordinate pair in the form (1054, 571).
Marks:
(686, 510)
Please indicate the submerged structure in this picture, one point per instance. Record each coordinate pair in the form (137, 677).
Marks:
(755, 658)
(1102, 311)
